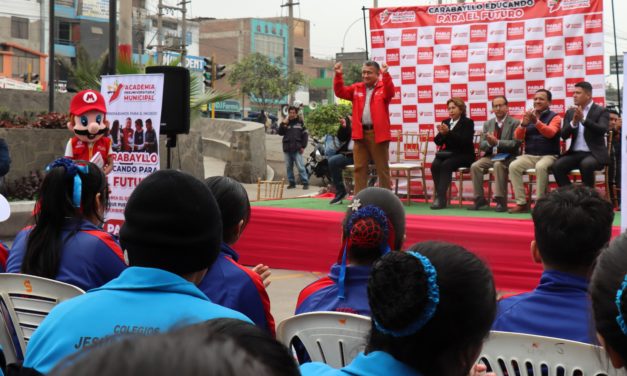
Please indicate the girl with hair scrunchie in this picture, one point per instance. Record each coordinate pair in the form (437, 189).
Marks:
(432, 307)
(66, 241)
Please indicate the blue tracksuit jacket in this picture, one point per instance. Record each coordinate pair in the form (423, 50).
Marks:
(376, 363)
(234, 286)
(90, 257)
(140, 300)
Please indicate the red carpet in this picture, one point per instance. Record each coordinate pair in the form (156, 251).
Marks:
(301, 239)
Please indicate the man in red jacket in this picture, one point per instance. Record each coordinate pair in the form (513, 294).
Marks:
(371, 120)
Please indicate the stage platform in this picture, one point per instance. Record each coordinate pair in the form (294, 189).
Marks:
(304, 234)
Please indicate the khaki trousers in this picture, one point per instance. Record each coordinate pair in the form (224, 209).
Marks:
(366, 150)
(500, 176)
(541, 163)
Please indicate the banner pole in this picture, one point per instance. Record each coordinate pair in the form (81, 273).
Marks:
(616, 60)
(363, 10)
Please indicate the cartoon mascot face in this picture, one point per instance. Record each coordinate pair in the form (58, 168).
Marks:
(88, 116)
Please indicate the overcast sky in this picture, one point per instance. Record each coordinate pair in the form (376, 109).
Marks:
(331, 20)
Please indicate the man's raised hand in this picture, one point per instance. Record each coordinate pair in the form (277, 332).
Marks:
(338, 67)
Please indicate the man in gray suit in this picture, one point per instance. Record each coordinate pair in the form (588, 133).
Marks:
(498, 149)
(587, 153)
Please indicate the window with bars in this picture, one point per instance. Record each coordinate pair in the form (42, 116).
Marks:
(19, 27)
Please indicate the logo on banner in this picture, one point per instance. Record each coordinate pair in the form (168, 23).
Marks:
(459, 91)
(515, 70)
(515, 30)
(594, 65)
(459, 54)
(391, 40)
(408, 75)
(555, 5)
(442, 55)
(441, 112)
(534, 29)
(477, 93)
(425, 94)
(593, 23)
(441, 73)
(496, 51)
(425, 114)
(516, 92)
(477, 53)
(590, 45)
(479, 111)
(534, 49)
(424, 75)
(478, 33)
(403, 16)
(396, 99)
(410, 114)
(114, 90)
(553, 27)
(516, 109)
(476, 72)
(495, 89)
(423, 36)
(558, 106)
(555, 47)
(442, 35)
(408, 59)
(574, 25)
(442, 94)
(533, 86)
(378, 58)
(411, 96)
(556, 90)
(574, 46)
(459, 72)
(393, 56)
(554, 67)
(377, 39)
(409, 37)
(425, 55)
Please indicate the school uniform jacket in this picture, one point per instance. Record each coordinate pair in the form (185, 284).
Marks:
(376, 363)
(140, 301)
(234, 286)
(90, 257)
(322, 295)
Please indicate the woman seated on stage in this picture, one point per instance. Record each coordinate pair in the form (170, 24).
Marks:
(608, 289)
(66, 242)
(455, 149)
(432, 307)
(373, 225)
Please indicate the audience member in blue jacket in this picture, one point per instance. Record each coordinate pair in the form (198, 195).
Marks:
(374, 224)
(66, 242)
(170, 241)
(572, 225)
(432, 307)
(227, 282)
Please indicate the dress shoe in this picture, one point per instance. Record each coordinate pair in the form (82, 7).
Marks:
(479, 203)
(305, 186)
(338, 198)
(291, 186)
(501, 204)
(519, 209)
(438, 204)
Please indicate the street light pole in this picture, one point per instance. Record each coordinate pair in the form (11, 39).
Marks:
(51, 57)
(346, 32)
(620, 108)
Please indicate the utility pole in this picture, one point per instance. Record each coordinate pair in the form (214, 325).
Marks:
(51, 57)
(375, 3)
(160, 34)
(126, 23)
(290, 41)
(184, 31)
(113, 12)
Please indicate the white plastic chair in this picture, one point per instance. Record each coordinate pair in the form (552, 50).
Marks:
(530, 355)
(25, 300)
(334, 338)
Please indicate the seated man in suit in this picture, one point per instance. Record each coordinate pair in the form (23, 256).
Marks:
(559, 306)
(499, 148)
(539, 130)
(587, 153)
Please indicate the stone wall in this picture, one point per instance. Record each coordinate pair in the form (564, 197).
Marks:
(187, 155)
(36, 101)
(241, 144)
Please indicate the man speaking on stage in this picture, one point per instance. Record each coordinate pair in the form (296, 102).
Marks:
(371, 120)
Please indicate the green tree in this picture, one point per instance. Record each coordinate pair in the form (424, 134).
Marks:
(325, 119)
(352, 74)
(262, 81)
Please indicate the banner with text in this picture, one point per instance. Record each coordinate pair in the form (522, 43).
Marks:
(477, 51)
(134, 115)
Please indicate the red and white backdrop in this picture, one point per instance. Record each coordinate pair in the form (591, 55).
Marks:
(477, 51)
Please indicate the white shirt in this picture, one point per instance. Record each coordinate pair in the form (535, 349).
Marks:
(452, 124)
(580, 141)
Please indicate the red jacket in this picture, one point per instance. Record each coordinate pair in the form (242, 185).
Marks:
(379, 103)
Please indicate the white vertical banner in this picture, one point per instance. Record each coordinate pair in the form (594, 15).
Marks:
(623, 172)
(134, 115)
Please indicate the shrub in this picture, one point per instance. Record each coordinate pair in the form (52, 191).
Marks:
(325, 119)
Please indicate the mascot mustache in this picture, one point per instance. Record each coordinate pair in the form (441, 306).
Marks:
(85, 132)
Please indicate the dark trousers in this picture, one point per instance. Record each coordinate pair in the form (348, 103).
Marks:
(442, 171)
(336, 165)
(582, 160)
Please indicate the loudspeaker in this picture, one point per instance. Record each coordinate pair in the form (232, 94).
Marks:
(175, 106)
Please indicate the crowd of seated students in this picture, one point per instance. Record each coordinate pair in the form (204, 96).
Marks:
(178, 269)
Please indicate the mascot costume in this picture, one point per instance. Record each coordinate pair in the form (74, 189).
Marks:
(89, 123)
